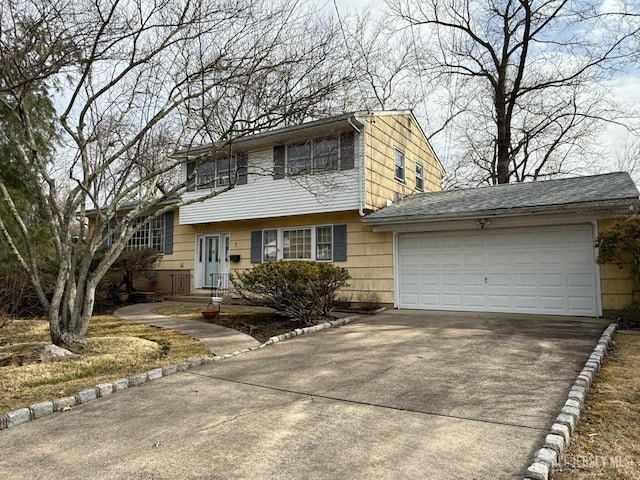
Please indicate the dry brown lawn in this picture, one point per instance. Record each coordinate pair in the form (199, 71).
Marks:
(606, 445)
(116, 348)
(259, 322)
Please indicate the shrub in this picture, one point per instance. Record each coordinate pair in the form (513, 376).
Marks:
(301, 290)
(620, 245)
(130, 265)
(368, 301)
(630, 316)
(18, 296)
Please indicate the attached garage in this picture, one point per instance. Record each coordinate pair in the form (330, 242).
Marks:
(522, 248)
(546, 270)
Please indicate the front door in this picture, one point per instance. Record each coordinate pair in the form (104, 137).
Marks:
(211, 261)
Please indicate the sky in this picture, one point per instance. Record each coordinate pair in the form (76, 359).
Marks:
(626, 88)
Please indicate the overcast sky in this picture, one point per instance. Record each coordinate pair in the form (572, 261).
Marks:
(626, 87)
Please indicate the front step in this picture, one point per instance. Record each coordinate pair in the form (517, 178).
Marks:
(196, 298)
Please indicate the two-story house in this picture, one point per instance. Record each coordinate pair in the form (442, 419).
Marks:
(362, 190)
(300, 194)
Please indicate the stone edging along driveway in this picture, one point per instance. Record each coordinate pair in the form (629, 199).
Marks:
(545, 459)
(556, 442)
(42, 409)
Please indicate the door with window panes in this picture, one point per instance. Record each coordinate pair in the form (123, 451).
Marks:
(212, 263)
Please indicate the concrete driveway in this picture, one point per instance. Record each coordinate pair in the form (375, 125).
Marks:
(410, 395)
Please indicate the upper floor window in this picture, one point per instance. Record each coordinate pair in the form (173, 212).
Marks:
(299, 159)
(208, 173)
(398, 161)
(419, 177)
(314, 156)
(326, 154)
(216, 173)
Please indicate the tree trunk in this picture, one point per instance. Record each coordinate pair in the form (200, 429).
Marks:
(68, 327)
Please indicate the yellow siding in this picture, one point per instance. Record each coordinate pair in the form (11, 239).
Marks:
(383, 134)
(615, 282)
(369, 254)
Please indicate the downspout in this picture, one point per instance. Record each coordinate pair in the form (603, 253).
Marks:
(361, 173)
(599, 312)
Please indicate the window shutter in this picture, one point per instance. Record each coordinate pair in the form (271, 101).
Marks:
(256, 246)
(347, 155)
(191, 166)
(107, 231)
(278, 161)
(339, 243)
(168, 232)
(243, 165)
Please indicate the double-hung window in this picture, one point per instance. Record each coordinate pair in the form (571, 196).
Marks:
(324, 243)
(419, 177)
(398, 170)
(270, 245)
(325, 154)
(216, 173)
(299, 158)
(313, 156)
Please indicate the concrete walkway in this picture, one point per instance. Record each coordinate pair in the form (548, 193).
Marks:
(219, 340)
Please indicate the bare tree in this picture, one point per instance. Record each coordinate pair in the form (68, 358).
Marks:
(533, 73)
(628, 158)
(386, 62)
(134, 81)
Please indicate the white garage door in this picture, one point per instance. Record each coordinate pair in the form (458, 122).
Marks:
(545, 270)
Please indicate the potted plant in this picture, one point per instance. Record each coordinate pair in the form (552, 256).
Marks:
(213, 308)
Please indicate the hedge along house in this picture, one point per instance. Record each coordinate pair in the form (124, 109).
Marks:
(300, 193)
(523, 248)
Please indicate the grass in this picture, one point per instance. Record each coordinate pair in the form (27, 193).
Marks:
(116, 348)
(606, 444)
(259, 322)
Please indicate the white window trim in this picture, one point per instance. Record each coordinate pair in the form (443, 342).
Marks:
(403, 166)
(421, 166)
(314, 243)
(146, 231)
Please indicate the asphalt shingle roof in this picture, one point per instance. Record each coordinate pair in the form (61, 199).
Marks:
(597, 191)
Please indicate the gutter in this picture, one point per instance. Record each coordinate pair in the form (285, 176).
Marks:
(618, 207)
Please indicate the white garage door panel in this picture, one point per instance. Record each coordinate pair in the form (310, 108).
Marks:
(547, 270)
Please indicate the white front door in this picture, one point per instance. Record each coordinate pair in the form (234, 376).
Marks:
(212, 262)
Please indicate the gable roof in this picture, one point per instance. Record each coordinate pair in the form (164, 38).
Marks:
(613, 191)
(321, 127)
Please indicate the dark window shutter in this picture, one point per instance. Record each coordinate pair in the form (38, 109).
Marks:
(256, 246)
(168, 232)
(108, 231)
(347, 155)
(278, 161)
(243, 165)
(339, 243)
(191, 166)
